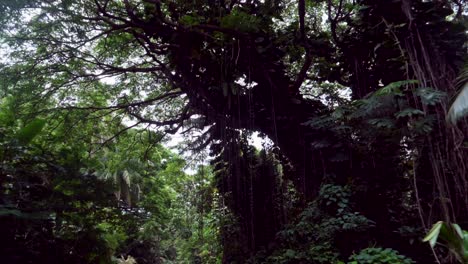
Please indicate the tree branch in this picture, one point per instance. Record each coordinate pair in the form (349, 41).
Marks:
(123, 106)
(301, 10)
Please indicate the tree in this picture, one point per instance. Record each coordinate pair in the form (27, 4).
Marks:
(232, 66)
(58, 199)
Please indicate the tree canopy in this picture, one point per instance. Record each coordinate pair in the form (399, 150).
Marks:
(353, 95)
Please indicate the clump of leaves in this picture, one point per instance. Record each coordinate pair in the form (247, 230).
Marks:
(241, 20)
(451, 236)
(312, 237)
(190, 20)
(379, 256)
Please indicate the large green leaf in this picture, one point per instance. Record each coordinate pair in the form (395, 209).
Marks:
(459, 107)
(430, 96)
(409, 112)
(382, 122)
(30, 131)
(451, 236)
(394, 88)
(433, 234)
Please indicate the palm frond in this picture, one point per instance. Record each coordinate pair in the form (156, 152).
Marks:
(459, 107)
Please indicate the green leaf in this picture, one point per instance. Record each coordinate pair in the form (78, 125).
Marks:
(290, 253)
(190, 20)
(459, 107)
(382, 122)
(10, 212)
(430, 96)
(394, 88)
(126, 177)
(409, 112)
(320, 144)
(458, 230)
(433, 234)
(241, 21)
(30, 131)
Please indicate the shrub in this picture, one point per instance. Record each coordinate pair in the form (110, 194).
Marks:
(379, 256)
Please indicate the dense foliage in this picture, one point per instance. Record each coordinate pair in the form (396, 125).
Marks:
(350, 98)
(63, 201)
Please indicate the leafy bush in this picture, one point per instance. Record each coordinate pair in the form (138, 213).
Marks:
(312, 238)
(379, 256)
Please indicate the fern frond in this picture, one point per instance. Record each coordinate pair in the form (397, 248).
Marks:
(394, 88)
(430, 96)
(462, 77)
(459, 107)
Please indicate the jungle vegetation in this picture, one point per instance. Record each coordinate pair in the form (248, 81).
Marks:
(363, 151)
